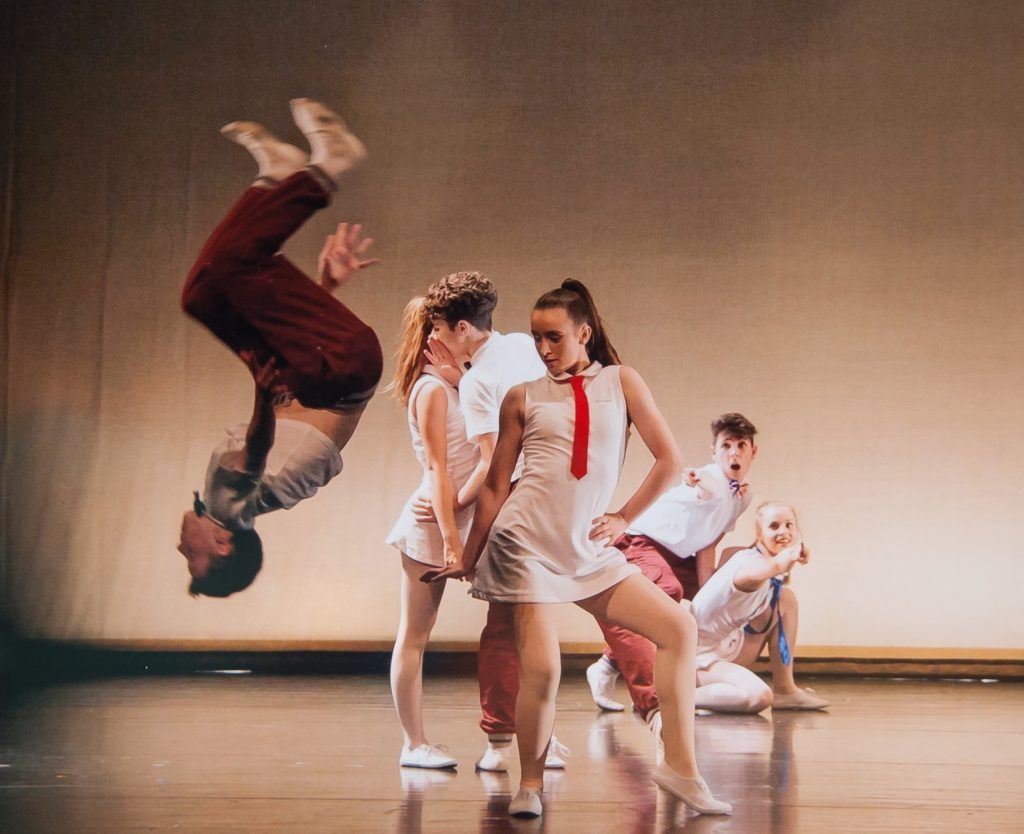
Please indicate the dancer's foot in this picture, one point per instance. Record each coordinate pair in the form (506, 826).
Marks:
(801, 699)
(496, 756)
(333, 148)
(277, 160)
(557, 754)
(693, 791)
(427, 756)
(526, 804)
(602, 676)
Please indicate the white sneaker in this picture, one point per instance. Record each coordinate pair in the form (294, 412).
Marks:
(557, 753)
(495, 757)
(428, 756)
(602, 676)
(693, 791)
(526, 804)
(333, 148)
(277, 160)
(654, 724)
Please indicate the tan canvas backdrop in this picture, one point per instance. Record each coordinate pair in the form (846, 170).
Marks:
(811, 213)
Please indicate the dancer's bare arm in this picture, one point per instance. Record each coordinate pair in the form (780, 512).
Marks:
(758, 571)
(496, 487)
(259, 437)
(668, 461)
(432, 415)
(342, 256)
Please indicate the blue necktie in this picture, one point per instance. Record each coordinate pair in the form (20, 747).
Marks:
(784, 655)
(197, 504)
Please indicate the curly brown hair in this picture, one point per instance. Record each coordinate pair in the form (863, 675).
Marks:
(462, 296)
(733, 425)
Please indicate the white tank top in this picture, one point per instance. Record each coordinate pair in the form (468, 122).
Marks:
(462, 455)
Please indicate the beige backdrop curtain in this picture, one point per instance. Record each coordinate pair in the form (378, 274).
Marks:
(808, 212)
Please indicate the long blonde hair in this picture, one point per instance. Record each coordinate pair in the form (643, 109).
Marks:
(409, 359)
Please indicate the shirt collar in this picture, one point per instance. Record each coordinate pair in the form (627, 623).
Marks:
(478, 354)
(591, 370)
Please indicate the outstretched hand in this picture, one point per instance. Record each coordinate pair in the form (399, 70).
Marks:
(443, 360)
(266, 375)
(342, 256)
(456, 570)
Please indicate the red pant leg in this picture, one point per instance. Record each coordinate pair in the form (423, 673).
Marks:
(631, 653)
(252, 298)
(498, 670)
(685, 571)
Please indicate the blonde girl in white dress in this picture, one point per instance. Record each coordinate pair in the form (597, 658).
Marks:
(448, 459)
(550, 540)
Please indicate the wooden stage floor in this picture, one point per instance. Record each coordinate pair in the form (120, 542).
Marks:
(319, 754)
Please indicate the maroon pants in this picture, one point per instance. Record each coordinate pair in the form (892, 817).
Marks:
(252, 298)
(498, 670)
(631, 653)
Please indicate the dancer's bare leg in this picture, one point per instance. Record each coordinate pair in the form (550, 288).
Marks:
(787, 695)
(420, 602)
(638, 604)
(539, 672)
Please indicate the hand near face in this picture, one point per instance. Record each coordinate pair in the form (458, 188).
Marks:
(443, 360)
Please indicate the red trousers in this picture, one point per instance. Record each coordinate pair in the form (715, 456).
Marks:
(252, 298)
(631, 653)
(498, 670)
(498, 662)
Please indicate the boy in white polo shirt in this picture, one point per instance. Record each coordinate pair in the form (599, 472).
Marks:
(673, 543)
(460, 306)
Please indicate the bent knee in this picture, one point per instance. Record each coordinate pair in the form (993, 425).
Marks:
(760, 700)
(679, 631)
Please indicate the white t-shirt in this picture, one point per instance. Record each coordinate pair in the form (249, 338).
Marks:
(684, 522)
(302, 460)
(499, 364)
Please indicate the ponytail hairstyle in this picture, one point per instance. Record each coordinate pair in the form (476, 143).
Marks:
(575, 299)
(409, 359)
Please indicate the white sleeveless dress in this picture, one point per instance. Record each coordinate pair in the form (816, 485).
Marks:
(419, 540)
(538, 550)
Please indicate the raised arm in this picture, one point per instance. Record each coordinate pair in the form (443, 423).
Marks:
(259, 437)
(668, 461)
(342, 256)
(432, 415)
(496, 487)
(750, 577)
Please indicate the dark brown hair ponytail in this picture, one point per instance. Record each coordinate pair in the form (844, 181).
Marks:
(576, 300)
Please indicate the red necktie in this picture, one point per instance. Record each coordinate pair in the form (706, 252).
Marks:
(581, 435)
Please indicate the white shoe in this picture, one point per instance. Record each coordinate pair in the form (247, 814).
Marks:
(526, 804)
(495, 757)
(277, 160)
(429, 756)
(333, 148)
(602, 676)
(693, 791)
(654, 724)
(557, 753)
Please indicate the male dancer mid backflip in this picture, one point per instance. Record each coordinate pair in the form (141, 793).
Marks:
(314, 363)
